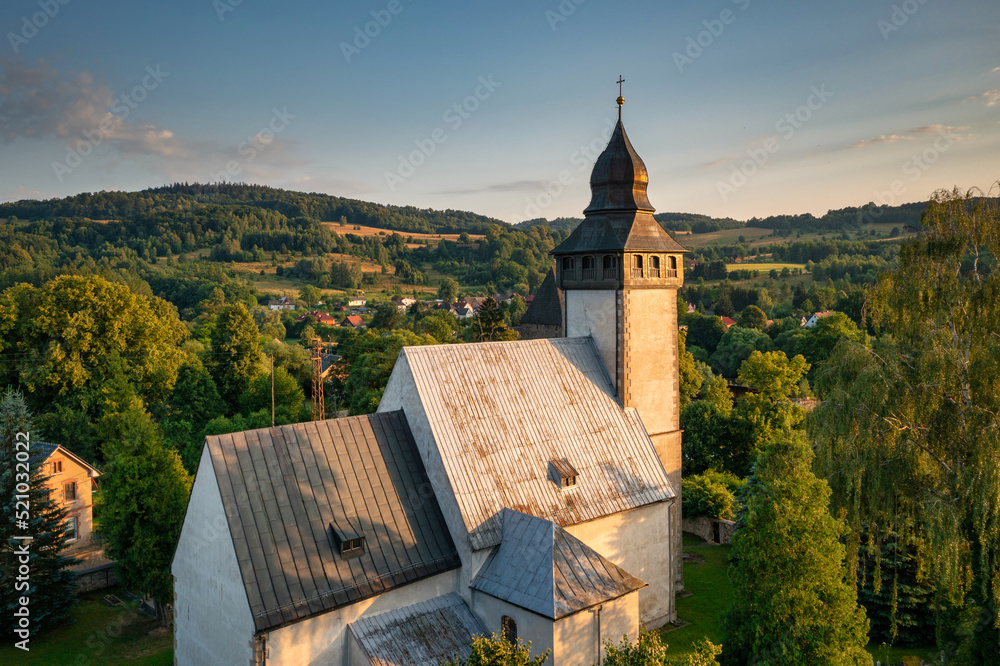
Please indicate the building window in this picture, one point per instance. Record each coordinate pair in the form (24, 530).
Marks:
(562, 473)
(610, 267)
(654, 267)
(589, 268)
(69, 491)
(57, 467)
(352, 547)
(672, 270)
(568, 268)
(637, 265)
(508, 628)
(71, 529)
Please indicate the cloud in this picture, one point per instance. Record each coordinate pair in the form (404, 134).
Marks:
(718, 162)
(907, 135)
(37, 101)
(995, 70)
(512, 186)
(991, 97)
(882, 138)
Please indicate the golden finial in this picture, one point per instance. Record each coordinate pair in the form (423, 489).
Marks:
(621, 100)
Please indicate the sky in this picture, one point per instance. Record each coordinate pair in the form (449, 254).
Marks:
(739, 108)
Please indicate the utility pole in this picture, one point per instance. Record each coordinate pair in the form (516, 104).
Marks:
(318, 402)
(272, 390)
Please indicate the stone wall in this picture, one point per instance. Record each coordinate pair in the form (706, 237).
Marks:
(705, 527)
(95, 578)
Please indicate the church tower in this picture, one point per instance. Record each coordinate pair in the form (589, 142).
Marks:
(619, 272)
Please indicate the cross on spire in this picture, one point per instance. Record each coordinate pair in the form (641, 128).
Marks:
(621, 100)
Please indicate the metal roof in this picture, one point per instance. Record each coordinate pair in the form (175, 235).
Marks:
(429, 632)
(500, 411)
(547, 308)
(541, 567)
(283, 487)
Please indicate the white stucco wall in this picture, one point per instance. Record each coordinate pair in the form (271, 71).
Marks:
(401, 393)
(639, 542)
(325, 640)
(530, 626)
(594, 312)
(212, 619)
(576, 636)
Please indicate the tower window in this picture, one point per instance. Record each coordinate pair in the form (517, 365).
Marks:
(637, 265)
(610, 267)
(508, 628)
(672, 270)
(589, 268)
(568, 268)
(654, 267)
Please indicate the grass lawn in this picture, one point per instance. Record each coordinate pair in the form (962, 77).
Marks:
(763, 267)
(711, 594)
(98, 634)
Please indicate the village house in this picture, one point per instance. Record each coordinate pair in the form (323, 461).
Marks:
(356, 302)
(71, 484)
(814, 319)
(319, 318)
(353, 321)
(728, 322)
(529, 488)
(283, 303)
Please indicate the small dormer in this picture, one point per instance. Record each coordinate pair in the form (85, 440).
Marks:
(347, 543)
(562, 473)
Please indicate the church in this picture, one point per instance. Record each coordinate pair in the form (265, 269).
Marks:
(529, 488)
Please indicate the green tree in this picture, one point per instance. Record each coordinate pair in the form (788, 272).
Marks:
(372, 358)
(236, 355)
(387, 317)
(791, 604)
(907, 428)
(650, 650)
(448, 290)
(144, 494)
(497, 651)
(62, 335)
(753, 317)
(690, 379)
(704, 331)
(310, 294)
(817, 343)
(488, 323)
(195, 397)
(735, 347)
(712, 494)
(442, 325)
(50, 585)
(288, 396)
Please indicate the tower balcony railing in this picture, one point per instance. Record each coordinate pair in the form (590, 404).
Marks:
(589, 273)
(670, 272)
(654, 273)
(637, 272)
(611, 273)
(569, 273)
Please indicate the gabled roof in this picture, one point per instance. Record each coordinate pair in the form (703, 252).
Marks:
(500, 411)
(44, 450)
(282, 490)
(543, 568)
(547, 307)
(429, 632)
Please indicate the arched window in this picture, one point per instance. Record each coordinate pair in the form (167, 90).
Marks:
(588, 264)
(508, 628)
(672, 271)
(637, 265)
(568, 268)
(610, 267)
(654, 267)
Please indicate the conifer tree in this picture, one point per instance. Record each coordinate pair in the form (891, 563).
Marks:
(49, 584)
(488, 323)
(236, 355)
(791, 605)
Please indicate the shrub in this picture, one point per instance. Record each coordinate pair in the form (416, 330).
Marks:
(711, 494)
